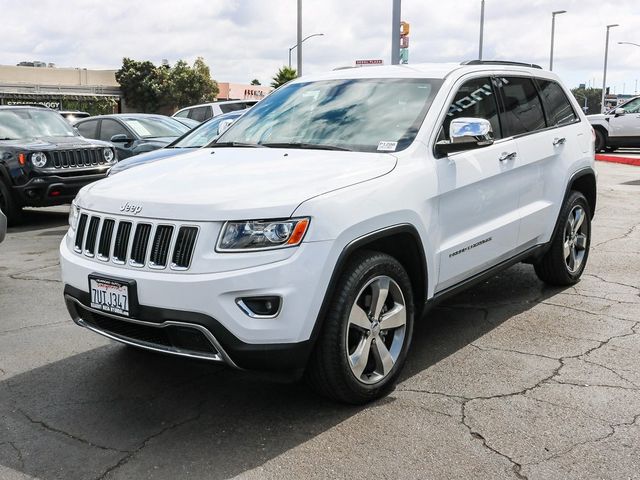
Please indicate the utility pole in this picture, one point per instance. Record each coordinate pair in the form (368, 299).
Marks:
(299, 52)
(395, 32)
(481, 41)
(553, 33)
(606, 58)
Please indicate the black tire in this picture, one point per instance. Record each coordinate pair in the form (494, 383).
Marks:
(601, 140)
(8, 205)
(554, 268)
(329, 371)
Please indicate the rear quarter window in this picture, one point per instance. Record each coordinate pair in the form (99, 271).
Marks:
(556, 104)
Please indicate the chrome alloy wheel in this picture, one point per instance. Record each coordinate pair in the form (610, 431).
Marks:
(575, 239)
(376, 330)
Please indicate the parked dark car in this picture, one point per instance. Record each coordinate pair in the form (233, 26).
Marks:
(43, 160)
(201, 136)
(132, 133)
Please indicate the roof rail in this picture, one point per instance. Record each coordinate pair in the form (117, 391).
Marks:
(500, 62)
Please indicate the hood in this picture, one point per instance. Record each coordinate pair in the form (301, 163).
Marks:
(232, 183)
(50, 143)
(146, 158)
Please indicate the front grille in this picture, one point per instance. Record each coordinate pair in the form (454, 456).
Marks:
(78, 157)
(82, 224)
(160, 246)
(184, 247)
(92, 235)
(183, 338)
(138, 244)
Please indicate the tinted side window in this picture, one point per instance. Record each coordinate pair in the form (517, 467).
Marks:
(109, 128)
(199, 114)
(522, 105)
(88, 129)
(556, 104)
(476, 99)
(231, 107)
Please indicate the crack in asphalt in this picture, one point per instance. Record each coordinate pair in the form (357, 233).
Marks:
(130, 454)
(611, 282)
(625, 235)
(18, 453)
(615, 372)
(67, 434)
(600, 314)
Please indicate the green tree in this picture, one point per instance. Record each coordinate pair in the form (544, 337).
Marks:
(143, 85)
(284, 75)
(191, 85)
(255, 81)
(593, 95)
(149, 88)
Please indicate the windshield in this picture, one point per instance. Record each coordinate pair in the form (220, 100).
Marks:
(150, 127)
(204, 134)
(33, 123)
(364, 115)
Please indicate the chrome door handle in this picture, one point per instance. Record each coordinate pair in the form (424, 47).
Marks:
(559, 141)
(507, 156)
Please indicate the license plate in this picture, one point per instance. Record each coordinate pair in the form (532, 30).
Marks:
(109, 295)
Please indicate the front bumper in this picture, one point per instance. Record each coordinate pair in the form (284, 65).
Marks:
(207, 302)
(49, 190)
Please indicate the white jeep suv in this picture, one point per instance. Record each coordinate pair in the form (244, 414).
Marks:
(618, 128)
(329, 218)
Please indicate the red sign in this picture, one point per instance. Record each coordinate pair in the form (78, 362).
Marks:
(368, 62)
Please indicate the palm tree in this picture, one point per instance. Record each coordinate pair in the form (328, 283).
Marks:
(284, 75)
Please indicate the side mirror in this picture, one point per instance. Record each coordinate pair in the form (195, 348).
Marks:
(224, 126)
(120, 138)
(619, 112)
(466, 134)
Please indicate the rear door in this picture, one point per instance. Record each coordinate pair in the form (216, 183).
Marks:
(478, 192)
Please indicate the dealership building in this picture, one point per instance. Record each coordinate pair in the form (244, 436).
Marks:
(94, 91)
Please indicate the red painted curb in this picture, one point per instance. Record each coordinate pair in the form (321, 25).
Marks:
(625, 160)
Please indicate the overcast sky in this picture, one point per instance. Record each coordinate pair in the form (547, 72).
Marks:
(244, 39)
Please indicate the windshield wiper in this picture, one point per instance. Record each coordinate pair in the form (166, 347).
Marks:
(235, 144)
(310, 146)
(7, 138)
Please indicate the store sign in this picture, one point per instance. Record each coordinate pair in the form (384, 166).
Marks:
(47, 103)
(251, 93)
(360, 63)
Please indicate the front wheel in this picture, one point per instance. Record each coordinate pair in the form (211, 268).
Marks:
(566, 258)
(367, 332)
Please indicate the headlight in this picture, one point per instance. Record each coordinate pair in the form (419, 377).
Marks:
(262, 234)
(107, 153)
(74, 213)
(38, 159)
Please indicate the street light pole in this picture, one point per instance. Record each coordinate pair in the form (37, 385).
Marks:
(606, 58)
(395, 32)
(553, 33)
(299, 52)
(303, 40)
(481, 41)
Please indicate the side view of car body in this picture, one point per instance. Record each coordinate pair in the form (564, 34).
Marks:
(199, 137)
(205, 111)
(618, 128)
(327, 220)
(132, 133)
(43, 161)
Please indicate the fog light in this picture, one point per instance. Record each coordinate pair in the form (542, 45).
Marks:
(260, 307)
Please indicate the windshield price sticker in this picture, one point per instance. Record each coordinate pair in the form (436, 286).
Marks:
(387, 146)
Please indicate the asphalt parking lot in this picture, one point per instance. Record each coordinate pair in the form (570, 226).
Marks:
(511, 379)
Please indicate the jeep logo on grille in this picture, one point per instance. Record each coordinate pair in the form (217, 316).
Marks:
(130, 208)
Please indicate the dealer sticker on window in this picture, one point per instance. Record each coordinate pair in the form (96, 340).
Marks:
(387, 146)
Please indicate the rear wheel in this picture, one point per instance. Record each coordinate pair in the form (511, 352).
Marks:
(8, 205)
(601, 140)
(567, 257)
(366, 335)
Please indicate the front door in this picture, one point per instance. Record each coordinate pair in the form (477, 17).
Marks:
(478, 192)
(628, 124)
